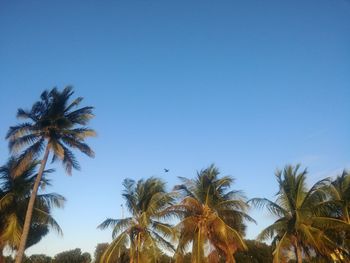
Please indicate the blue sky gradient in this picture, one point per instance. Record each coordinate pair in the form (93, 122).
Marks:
(247, 85)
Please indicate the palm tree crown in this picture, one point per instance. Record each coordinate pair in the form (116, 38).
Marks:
(339, 192)
(53, 125)
(53, 120)
(301, 222)
(15, 192)
(211, 217)
(337, 205)
(143, 232)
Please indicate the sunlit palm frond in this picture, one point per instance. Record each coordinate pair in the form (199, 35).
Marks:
(113, 249)
(147, 202)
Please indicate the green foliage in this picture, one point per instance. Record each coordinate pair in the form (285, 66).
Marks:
(54, 124)
(338, 206)
(72, 256)
(257, 252)
(7, 259)
(143, 233)
(210, 213)
(122, 256)
(40, 258)
(54, 121)
(99, 250)
(302, 222)
(15, 190)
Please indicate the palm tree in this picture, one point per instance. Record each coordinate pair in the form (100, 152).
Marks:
(338, 206)
(301, 224)
(15, 191)
(53, 126)
(143, 232)
(211, 216)
(339, 192)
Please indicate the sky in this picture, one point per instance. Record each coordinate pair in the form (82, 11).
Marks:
(248, 85)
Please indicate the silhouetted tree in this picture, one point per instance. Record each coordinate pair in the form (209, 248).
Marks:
(54, 125)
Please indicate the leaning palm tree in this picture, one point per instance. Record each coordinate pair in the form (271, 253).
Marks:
(212, 217)
(301, 224)
(54, 125)
(15, 191)
(144, 232)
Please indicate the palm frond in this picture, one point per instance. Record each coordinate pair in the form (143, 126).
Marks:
(51, 200)
(83, 147)
(271, 206)
(162, 242)
(114, 248)
(69, 161)
(49, 220)
(81, 116)
(278, 251)
(19, 130)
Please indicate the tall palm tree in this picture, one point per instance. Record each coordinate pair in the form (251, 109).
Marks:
(338, 206)
(15, 191)
(339, 192)
(301, 224)
(143, 232)
(212, 217)
(53, 126)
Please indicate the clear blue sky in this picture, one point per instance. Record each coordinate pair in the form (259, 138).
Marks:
(249, 85)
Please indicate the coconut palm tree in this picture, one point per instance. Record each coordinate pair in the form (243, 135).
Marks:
(15, 191)
(339, 201)
(53, 125)
(301, 223)
(143, 232)
(338, 205)
(212, 217)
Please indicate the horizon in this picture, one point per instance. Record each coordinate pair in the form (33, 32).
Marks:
(249, 86)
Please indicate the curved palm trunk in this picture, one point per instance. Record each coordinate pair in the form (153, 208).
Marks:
(29, 213)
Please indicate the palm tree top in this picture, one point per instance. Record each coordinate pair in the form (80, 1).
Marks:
(301, 218)
(143, 231)
(15, 190)
(208, 187)
(56, 121)
(140, 196)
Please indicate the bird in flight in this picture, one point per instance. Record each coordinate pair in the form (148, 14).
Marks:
(166, 170)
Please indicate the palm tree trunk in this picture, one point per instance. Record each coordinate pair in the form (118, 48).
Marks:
(198, 247)
(131, 253)
(2, 260)
(138, 247)
(29, 213)
(298, 254)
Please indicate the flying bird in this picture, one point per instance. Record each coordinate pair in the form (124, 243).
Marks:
(166, 170)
